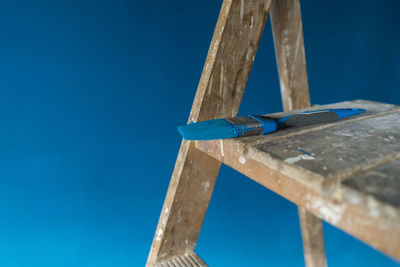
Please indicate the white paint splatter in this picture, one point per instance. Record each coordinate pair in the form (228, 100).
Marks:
(298, 158)
(242, 160)
(215, 48)
(179, 216)
(222, 148)
(249, 53)
(347, 134)
(229, 3)
(354, 199)
(373, 206)
(330, 212)
(296, 52)
(390, 139)
(159, 234)
(284, 93)
(285, 32)
(166, 210)
(252, 22)
(241, 11)
(210, 83)
(288, 47)
(206, 186)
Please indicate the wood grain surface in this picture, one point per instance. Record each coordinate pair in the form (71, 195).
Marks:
(332, 194)
(287, 32)
(224, 78)
(287, 29)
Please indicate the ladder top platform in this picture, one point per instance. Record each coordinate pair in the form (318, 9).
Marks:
(345, 172)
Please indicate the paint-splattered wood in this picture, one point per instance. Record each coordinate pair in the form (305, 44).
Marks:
(338, 152)
(383, 183)
(225, 73)
(313, 239)
(308, 166)
(230, 58)
(287, 31)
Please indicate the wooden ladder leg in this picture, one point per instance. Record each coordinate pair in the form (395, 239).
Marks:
(289, 48)
(313, 239)
(287, 30)
(225, 73)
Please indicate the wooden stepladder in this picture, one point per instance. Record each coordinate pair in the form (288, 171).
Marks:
(344, 172)
(229, 61)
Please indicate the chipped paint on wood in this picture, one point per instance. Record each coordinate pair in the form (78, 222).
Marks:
(313, 241)
(289, 49)
(219, 94)
(298, 158)
(288, 35)
(222, 148)
(236, 52)
(351, 206)
(329, 211)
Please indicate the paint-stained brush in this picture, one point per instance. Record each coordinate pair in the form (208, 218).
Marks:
(259, 124)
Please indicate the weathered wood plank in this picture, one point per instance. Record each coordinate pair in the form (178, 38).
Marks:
(225, 73)
(340, 151)
(290, 56)
(382, 183)
(185, 205)
(350, 214)
(348, 209)
(189, 259)
(373, 109)
(230, 58)
(313, 240)
(287, 30)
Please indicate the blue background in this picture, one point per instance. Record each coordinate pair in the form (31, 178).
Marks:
(91, 94)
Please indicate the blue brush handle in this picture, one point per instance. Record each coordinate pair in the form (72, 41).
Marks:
(347, 112)
(269, 125)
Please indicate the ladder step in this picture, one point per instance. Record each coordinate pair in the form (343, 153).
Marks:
(189, 259)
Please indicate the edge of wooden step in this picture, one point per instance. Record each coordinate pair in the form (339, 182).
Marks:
(189, 259)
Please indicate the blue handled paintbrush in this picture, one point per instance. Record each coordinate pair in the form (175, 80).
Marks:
(259, 124)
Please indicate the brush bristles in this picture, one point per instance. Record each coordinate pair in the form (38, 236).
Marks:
(207, 130)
